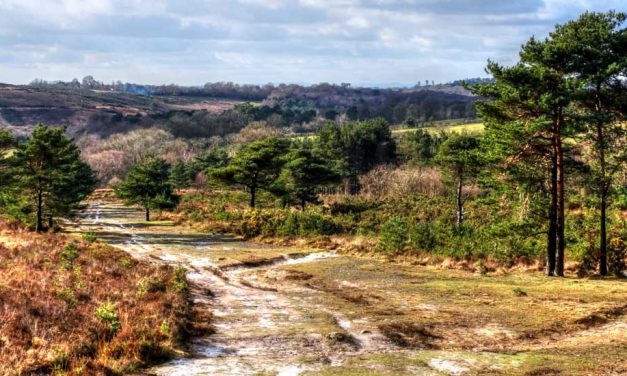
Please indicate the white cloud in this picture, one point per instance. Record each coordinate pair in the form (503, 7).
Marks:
(358, 22)
(421, 41)
(193, 41)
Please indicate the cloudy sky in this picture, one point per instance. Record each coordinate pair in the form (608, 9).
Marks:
(260, 41)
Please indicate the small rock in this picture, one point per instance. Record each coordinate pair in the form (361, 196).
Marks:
(337, 336)
(366, 331)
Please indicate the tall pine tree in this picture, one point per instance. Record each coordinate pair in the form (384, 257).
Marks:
(48, 168)
(526, 116)
(591, 50)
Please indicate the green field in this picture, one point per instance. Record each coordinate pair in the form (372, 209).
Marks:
(447, 126)
(469, 127)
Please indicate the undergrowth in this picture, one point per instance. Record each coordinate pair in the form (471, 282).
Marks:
(80, 307)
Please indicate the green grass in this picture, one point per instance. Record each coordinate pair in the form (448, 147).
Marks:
(470, 128)
(522, 334)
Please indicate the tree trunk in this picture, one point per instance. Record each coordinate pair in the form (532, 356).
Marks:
(303, 203)
(604, 185)
(50, 224)
(603, 235)
(39, 227)
(460, 202)
(551, 246)
(559, 267)
(354, 184)
(253, 191)
(147, 214)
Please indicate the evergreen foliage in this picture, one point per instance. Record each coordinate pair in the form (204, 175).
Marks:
(149, 185)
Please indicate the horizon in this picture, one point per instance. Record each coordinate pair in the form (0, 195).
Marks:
(390, 43)
(373, 85)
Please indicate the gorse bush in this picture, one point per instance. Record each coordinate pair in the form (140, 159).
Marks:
(308, 223)
(394, 235)
(262, 222)
(284, 222)
(423, 236)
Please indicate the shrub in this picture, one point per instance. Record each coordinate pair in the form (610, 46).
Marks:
(314, 223)
(352, 205)
(89, 237)
(70, 252)
(107, 314)
(126, 263)
(67, 295)
(394, 235)
(148, 285)
(291, 226)
(423, 236)
(179, 282)
(262, 222)
(617, 251)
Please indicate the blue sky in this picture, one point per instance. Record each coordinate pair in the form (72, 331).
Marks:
(260, 41)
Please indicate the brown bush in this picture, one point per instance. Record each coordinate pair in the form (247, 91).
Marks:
(387, 180)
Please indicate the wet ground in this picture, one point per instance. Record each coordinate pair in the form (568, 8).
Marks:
(284, 311)
(257, 330)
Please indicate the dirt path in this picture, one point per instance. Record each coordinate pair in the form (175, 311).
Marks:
(270, 319)
(257, 330)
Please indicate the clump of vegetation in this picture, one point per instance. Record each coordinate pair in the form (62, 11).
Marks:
(394, 235)
(107, 314)
(70, 252)
(150, 285)
(89, 237)
(43, 177)
(149, 185)
(89, 312)
(179, 282)
(519, 292)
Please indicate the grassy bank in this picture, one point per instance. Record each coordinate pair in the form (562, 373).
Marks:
(415, 228)
(73, 306)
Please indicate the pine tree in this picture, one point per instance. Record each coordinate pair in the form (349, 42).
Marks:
(48, 169)
(179, 175)
(460, 156)
(6, 142)
(255, 166)
(592, 49)
(527, 117)
(304, 174)
(148, 184)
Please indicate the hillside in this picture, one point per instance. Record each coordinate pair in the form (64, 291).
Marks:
(91, 111)
(212, 110)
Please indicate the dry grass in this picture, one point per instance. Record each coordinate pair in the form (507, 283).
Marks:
(50, 292)
(467, 310)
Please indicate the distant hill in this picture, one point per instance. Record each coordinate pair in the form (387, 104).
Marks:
(91, 111)
(92, 107)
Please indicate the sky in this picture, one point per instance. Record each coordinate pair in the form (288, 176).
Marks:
(190, 42)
